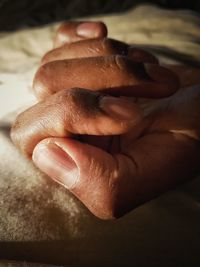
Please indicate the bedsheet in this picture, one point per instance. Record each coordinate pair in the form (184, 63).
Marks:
(41, 221)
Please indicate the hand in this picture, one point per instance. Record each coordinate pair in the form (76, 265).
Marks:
(113, 153)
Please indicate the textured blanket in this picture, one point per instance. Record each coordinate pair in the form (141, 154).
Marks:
(42, 222)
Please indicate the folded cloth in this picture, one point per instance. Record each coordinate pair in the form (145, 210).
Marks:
(42, 222)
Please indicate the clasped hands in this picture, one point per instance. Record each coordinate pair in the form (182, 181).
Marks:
(111, 124)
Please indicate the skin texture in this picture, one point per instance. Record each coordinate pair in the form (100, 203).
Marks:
(71, 32)
(111, 125)
(124, 74)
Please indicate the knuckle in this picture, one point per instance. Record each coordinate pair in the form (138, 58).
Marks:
(48, 56)
(41, 81)
(32, 125)
(53, 55)
(104, 195)
(14, 134)
(63, 28)
(116, 198)
(71, 107)
(120, 62)
(111, 209)
(17, 133)
(110, 206)
(81, 102)
(107, 44)
(114, 47)
(41, 72)
(132, 70)
(66, 33)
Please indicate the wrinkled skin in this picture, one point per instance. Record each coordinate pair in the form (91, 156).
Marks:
(126, 148)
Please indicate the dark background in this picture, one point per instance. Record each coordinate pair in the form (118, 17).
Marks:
(26, 13)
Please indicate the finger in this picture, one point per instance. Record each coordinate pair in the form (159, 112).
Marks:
(98, 47)
(104, 183)
(87, 48)
(72, 31)
(112, 74)
(75, 111)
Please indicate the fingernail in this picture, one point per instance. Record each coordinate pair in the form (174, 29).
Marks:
(120, 108)
(56, 163)
(87, 29)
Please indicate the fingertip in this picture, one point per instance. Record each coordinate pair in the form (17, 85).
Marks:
(74, 31)
(164, 76)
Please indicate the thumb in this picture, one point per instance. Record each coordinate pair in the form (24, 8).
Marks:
(83, 169)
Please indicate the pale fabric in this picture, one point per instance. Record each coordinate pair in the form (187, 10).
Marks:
(42, 222)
